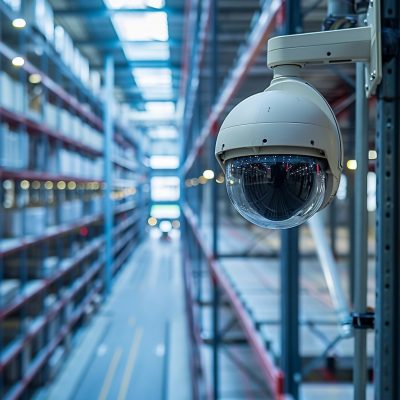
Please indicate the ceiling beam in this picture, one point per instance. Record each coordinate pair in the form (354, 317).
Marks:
(103, 12)
(109, 44)
(116, 43)
(141, 64)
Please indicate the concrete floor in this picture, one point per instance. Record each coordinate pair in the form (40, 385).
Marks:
(136, 348)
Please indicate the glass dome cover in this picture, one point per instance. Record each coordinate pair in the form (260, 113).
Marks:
(276, 191)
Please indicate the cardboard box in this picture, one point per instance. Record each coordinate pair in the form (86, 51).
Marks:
(9, 289)
(36, 268)
(13, 148)
(65, 122)
(40, 14)
(76, 132)
(51, 116)
(6, 92)
(27, 222)
(19, 97)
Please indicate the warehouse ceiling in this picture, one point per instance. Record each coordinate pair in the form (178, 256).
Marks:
(147, 39)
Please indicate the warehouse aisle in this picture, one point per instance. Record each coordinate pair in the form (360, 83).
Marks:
(136, 347)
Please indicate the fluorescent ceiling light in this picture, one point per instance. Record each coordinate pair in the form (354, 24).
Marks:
(164, 162)
(19, 23)
(163, 132)
(165, 188)
(18, 61)
(157, 94)
(147, 51)
(146, 26)
(115, 4)
(160, 107)
(165, 211)
(157, 91)
(164, 147)
(165, 181)
(152, 76)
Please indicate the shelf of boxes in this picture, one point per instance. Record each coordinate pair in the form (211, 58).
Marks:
(51, 190)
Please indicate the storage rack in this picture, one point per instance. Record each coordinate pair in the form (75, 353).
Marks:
(199, 259)
(218, 75)
(52, 261)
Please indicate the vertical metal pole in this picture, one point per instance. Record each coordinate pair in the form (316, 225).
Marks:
(352, 211)
(387, 350)
(215, 317)
(214, 92)
(360, 234)
(2, 233)
(214, 200)
(108, 138)
(290, 358)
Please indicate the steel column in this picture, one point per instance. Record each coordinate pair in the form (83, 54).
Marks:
(214, 201)
(108, 138)
(387, 349)
(290, 277)
(360, 234)
(214, 92)
(290, 358)
(216, 339)
(351, 230)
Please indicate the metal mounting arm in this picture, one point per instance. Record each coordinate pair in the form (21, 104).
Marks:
(327, 47)
(333, 47)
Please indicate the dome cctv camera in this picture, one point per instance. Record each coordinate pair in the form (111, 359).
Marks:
(281, 151)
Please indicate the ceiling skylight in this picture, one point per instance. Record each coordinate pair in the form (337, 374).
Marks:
(115, 4)
(152, 76)
(147, 51)
(165, 211)
(157, 94)
(141, 26)
(165, 188)
(163, 132)
(154, 83)
(164, 162)
(144, 36)
(160, 107)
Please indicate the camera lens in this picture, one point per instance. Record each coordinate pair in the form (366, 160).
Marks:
(276, 191)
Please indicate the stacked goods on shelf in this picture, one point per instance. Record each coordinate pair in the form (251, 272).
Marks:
(51, 177)
(8, 291)
(29, 221)
(15, 5)
(40, 14)
(13, 97)
(12, 93)
(13, 148)
(31, 209)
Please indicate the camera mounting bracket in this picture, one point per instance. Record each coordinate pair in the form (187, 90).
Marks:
(352, 45)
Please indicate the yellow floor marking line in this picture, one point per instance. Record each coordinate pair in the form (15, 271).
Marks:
(110, 374)
(123, 390)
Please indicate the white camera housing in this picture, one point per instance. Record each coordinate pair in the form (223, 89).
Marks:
(289, 118)
(281, 150)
